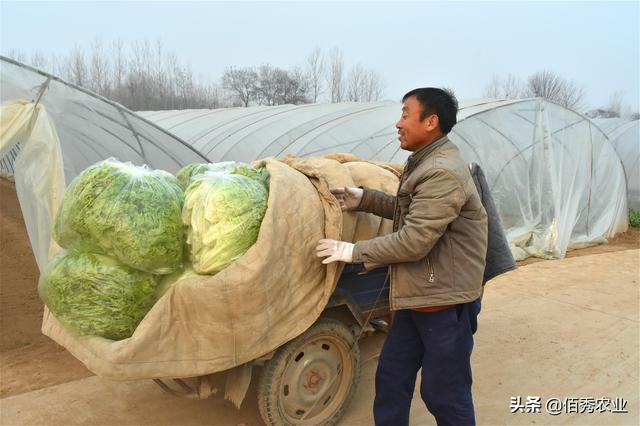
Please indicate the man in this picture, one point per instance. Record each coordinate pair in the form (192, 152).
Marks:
(436, 256)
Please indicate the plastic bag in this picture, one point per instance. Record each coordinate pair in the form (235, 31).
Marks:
(223, 213)
(96, 295)
(188, 173)
(128, 212)
(39, 171)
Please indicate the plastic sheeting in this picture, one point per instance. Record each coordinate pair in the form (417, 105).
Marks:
(625, 138)
(556, 179)
(39, 173)
(91, 128)
(69, 129)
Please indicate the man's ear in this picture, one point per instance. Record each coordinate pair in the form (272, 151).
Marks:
(433, 121)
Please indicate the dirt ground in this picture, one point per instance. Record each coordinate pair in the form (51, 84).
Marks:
(29, 361)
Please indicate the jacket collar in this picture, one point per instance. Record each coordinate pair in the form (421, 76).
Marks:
(417, 156)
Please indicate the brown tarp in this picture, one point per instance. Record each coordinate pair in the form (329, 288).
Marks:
(273, 293)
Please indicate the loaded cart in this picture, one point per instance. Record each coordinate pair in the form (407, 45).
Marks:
(312, 378)
(277, 306)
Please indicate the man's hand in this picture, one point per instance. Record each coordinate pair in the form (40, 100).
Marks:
(349, 198)
(338, 251)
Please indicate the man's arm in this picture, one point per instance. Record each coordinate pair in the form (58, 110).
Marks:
(436, 203)
(378, 203)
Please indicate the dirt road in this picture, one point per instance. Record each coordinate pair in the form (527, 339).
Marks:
(561, 329)
(550, 329)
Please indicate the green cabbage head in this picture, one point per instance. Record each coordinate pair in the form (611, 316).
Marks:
(96, 295)
(187, 173)
(223, 213)
(165, 282)
(128, 212)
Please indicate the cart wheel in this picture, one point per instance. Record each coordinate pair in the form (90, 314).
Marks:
(311, 379)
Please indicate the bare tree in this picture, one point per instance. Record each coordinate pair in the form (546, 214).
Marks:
(76, 67)
(212, 96)
(615, 104)
(138, 87)
(276, 86)
(17, 55)
(139, 76)
(372, 86)
(39, 60)
(492, 89)
(355, 83)
(315, 70)
(549, 85)
(363, 85)
(184, 86)
(99, 80)
(295, 86)
(268, 89)
(335, 75)
(509, 87)
(119, 64)
(242, 82)
(142, 75)
(55, 65)
(615, 108)
(513, 88)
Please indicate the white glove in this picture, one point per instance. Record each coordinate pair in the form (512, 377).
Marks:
(338, 251)
(349, 198)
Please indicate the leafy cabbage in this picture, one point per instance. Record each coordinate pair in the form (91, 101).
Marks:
(96, 295)
(165, 282)
(128, 212)
(223, 213)
(187, 173)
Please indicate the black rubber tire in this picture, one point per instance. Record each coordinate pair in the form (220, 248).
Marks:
(271, 382)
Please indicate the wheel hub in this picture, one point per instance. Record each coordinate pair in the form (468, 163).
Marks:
(313, 380)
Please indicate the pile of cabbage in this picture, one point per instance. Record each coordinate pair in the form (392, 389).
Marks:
(130, 232)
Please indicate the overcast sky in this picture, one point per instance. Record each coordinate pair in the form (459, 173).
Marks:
(455, 44)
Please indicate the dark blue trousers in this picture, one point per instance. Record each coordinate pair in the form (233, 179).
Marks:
(439, 343)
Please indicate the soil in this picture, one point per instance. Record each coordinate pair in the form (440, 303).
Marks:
(30, 361)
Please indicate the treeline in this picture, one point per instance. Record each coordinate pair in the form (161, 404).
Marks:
(549, 85)
(143, 75)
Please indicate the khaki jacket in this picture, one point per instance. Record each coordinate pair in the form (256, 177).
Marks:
(436, 252)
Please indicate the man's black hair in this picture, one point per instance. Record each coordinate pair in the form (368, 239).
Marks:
(441, 102)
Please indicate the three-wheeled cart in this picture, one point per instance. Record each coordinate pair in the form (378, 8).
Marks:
(311, 379)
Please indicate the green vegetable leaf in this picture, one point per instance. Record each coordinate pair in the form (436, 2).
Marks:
(223, 213)
(128, 212)
(97, 295)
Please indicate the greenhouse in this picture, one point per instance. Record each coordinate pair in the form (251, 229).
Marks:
(557, 181)
(625, 138)
(52, 130)
(91, 128)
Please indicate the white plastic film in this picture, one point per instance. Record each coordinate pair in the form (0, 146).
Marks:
(39, 171)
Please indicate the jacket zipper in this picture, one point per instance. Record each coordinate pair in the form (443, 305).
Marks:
(430, 270)
(390, 290)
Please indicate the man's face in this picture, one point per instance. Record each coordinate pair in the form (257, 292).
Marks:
(413, 133)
